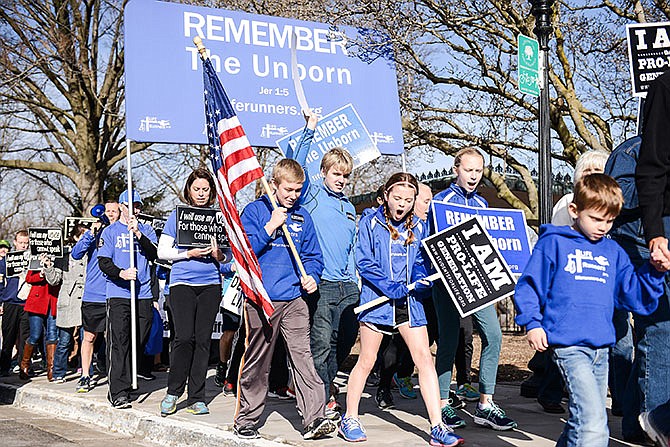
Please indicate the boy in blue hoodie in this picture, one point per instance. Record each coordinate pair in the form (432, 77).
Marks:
(566, 298)
(286, 288)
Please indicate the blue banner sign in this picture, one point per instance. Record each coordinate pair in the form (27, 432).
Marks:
(342, 128)
(252, 55)
(506, 227)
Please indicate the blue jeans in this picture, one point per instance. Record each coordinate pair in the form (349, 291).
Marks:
(649, 383)
(584, 372)
(488, 327)
(621, 358)
(37, 322)
(62, 351)
(334, 327)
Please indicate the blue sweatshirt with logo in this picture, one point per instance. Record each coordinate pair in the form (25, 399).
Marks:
(96, 283)
(571, 286)
(281, 276)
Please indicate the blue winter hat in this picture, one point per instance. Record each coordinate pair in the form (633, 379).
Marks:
(123, 198)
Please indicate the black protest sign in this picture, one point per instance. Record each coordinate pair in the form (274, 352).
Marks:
(71, 222)
(46, 240)
(196, 227)
(16, 262)
(648, 53)
(471, 268)
(157, 223)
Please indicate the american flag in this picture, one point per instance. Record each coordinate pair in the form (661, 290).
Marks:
(235, 166)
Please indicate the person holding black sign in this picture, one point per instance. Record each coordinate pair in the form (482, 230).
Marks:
(41, 308)
(114, 262)
(15, 328)
(389, 259)
(195, 294)
(469, 168)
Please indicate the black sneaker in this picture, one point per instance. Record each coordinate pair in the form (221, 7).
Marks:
(493, 416)
(146, 376)
(220, 377)
(384, 398)
(319, 428)
(121, 402)
(455, 401)
(84, 384)
(246, 432)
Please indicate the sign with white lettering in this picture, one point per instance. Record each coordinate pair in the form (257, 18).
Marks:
(252, 55)
(157, 223)
(471, 268)
(16, 262)
(506, 227)
(46, 240)
(342, 128)
(648, 53)
(197, 226)
(71, 222)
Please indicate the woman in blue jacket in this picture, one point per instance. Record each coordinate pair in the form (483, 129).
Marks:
(388, 259)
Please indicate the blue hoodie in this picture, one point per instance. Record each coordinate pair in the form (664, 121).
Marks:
(374, 261)
(571, 286)
(96, 283)
(334, 219)
(281, 276)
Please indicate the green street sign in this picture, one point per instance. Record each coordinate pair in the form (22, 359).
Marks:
(529, 65)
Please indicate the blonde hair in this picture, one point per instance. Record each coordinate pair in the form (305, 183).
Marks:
(599, 192)
(288, 170)
(595, 159)
(339, 157)
(466, 151)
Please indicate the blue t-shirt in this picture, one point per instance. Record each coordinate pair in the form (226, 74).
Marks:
(115, 244)
(399, 254)
(190, 272)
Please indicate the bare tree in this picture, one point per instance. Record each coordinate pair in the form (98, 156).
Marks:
(62, 92)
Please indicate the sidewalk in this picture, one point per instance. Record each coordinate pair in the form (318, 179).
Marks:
(405, 426)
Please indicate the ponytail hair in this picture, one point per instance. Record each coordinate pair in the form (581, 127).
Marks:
(403, 179)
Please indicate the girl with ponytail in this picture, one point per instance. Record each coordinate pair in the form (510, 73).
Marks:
(388, 259)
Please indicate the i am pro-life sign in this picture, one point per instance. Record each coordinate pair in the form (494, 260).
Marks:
(197, 226)
(648, 53)
(46, 240)
(471, 268)
(506, 227)
(342, 128)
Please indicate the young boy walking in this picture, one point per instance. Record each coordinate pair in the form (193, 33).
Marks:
(566, 298)
(286, 288)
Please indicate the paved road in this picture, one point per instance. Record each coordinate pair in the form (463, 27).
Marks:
(23, 428)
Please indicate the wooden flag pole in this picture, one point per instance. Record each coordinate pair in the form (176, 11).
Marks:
(203, 54)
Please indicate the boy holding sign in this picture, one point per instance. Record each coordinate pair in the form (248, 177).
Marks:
(566, 298)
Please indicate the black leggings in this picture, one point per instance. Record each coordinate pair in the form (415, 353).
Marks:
(193, 309)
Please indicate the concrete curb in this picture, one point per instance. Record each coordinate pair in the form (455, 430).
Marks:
(169, 432)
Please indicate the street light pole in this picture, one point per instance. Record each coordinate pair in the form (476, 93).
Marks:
(541, 9)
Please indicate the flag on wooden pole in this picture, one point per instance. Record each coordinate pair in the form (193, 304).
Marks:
(235, 165)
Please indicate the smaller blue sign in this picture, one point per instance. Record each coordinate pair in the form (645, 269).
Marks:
(506, 227)
(341, 128)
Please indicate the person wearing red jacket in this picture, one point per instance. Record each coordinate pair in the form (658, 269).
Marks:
(41, 308)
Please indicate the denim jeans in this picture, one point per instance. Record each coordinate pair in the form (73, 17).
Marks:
(621, 358)
(62, 351)
(334, 327)
(649, 383)
(37, 322)
(486, 322)
(584, 372)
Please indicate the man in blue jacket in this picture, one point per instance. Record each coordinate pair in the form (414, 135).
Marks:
(286, 288)
(94, 299)
(114, 262)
